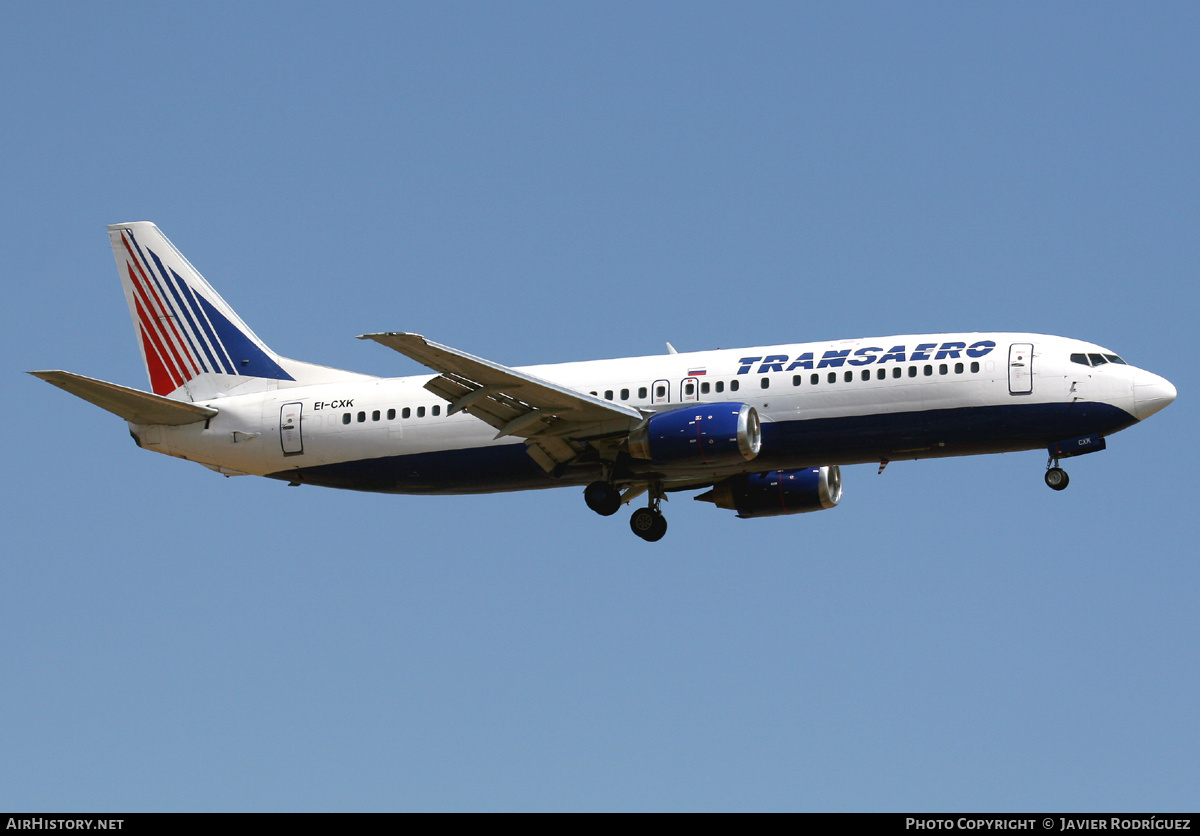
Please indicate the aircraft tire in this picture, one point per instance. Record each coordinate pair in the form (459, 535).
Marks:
(659, 530)
(1057, 478)
(603, 498)
(648, 524)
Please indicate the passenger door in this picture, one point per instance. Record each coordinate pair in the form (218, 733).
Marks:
(1020, 369)
(289, 429)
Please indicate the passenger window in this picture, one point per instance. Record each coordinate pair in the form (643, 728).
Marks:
(690, 389)
(704, 388)
(975, 367)
(420, 412)
(733, 385)
(437, 410)
(765, 383)
(660, 391)
(362, 416)
(866, 374)
(958, 368)
(896, 371)
(391, 415)
(849, 376)
(814, 379)
(943, 369)
(796, 379)
(720, 386)
(833, 377)
(406, 413)
(912, 371)
(346, 418)
(928, 371)
(375, 415)
(624, 394)
(642, 392)
(608, 394)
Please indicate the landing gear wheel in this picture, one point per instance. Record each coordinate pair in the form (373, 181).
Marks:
(1057, 478)
(648, 524)
(603, 498)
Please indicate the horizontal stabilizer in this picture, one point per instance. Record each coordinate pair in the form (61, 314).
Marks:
(131, 404)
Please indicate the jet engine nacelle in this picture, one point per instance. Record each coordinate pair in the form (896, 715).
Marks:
(778, 492)
(711, 433)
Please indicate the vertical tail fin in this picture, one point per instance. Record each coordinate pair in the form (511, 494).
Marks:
(192, 342)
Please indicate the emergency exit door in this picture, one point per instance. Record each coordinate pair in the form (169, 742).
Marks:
(689, 390)
(661, 393)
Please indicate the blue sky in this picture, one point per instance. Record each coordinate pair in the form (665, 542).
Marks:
(549, 182)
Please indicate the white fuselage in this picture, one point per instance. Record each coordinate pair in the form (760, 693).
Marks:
(839, 402)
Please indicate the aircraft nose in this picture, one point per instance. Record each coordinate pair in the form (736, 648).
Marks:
(1150, 394)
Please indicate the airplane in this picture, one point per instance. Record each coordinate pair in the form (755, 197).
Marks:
(762, 431)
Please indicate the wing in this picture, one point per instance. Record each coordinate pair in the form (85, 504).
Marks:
(556, 422)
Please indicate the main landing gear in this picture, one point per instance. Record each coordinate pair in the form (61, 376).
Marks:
(605, 499)
(649, 523)
(1056, 478)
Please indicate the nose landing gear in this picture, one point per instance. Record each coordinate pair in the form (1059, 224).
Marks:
(1056, 478)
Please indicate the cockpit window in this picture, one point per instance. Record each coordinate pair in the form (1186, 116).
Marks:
(1097, 359)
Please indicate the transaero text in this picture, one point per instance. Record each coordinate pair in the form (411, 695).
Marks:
(836, 358)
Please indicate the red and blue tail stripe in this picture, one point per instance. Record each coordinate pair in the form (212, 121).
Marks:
(202, 328)
(183, 333)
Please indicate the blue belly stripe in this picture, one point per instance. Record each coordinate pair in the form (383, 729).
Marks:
(854, 439)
